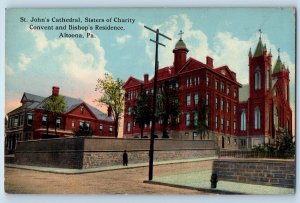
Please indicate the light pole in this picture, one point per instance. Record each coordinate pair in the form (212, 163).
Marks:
(154, 97)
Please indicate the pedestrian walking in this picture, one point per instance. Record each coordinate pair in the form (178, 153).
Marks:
(125, 158)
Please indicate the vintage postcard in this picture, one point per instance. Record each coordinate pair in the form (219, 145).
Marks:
(150, 101)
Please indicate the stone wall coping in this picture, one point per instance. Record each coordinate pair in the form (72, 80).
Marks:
(130, 150)
(110, 138)
(253, 160)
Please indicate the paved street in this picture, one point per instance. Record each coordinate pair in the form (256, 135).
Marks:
(125, 181)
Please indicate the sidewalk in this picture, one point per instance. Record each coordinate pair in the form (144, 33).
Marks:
(104, 168)
(201, 181)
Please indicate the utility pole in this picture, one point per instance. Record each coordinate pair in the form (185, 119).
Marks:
(151, 151)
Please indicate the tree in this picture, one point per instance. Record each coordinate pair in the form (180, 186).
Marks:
(112, 95)
(54, 106)
(284, 143)
(167, 110)
(201, 126)
(142, 110)
(83, 130)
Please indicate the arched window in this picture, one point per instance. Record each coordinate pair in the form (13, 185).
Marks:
(257, 78)
(257, 118)
(243, 120)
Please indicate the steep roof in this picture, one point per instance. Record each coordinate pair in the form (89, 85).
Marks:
(278, 66)
(32, 97)
(259, 48)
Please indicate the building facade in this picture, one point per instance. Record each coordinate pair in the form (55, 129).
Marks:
(234, 120)
(30, 121)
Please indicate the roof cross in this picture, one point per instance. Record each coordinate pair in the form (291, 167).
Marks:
(260, 32)
(181, 33)
(278, 52)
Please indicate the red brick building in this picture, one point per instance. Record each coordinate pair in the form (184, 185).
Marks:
(29, 121)
(236, 121)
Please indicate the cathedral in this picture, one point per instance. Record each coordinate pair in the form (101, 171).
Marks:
(239, 116)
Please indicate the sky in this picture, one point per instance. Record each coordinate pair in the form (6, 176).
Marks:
(36, 60)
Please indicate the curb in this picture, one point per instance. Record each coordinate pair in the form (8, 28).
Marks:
(215, 191)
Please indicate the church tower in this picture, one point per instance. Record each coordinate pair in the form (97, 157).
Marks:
(180, 51)
(260, 88)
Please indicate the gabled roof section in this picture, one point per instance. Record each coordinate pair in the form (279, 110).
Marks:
(27, 97)
(224, 70)
(132, 81)
(190, 65)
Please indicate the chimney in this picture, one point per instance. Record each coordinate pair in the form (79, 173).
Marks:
(109, 111)
(209, 62)
(55, 91)
(146, 78)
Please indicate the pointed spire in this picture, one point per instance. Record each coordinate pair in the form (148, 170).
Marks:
(265, 47)
(279, 65)
(259, 48)
(250, 53)
(270, 53)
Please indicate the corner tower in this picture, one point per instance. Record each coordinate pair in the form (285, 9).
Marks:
(180, 51)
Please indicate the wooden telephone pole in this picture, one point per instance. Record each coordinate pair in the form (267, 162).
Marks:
(151, 151)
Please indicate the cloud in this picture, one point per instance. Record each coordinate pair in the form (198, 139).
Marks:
(23, 61)
(123, 39)
(9, 70)
(41, 41)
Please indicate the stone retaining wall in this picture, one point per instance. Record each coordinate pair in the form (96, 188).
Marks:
(270, 172)
(96, 152)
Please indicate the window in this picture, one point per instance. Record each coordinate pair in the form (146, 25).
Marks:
(216, 84)
(129, 110)
(16, 121)
(207, 80)
(44, 120)
(234, 109)
(227, 106)
(81, 124)
(243, 142)
(222, 104)
(58, 123)
(81, 110)
(128, 127)
(256, 118)
(206, 99)
(110, 129)
(29, 119)
(73, 124)
(187, 119)
(216, 121)
(234, 126)
(222, 123)
(197, 80)
(188, 100)
(101, 128)
(257, 79)
(243, 120)
(217, 101)
(134, 123)
(195, 118)
(206, 119)
(196, 99)
(228, 91)
(222, 86)
(235, 93)
(228, 140)
(227, 124)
